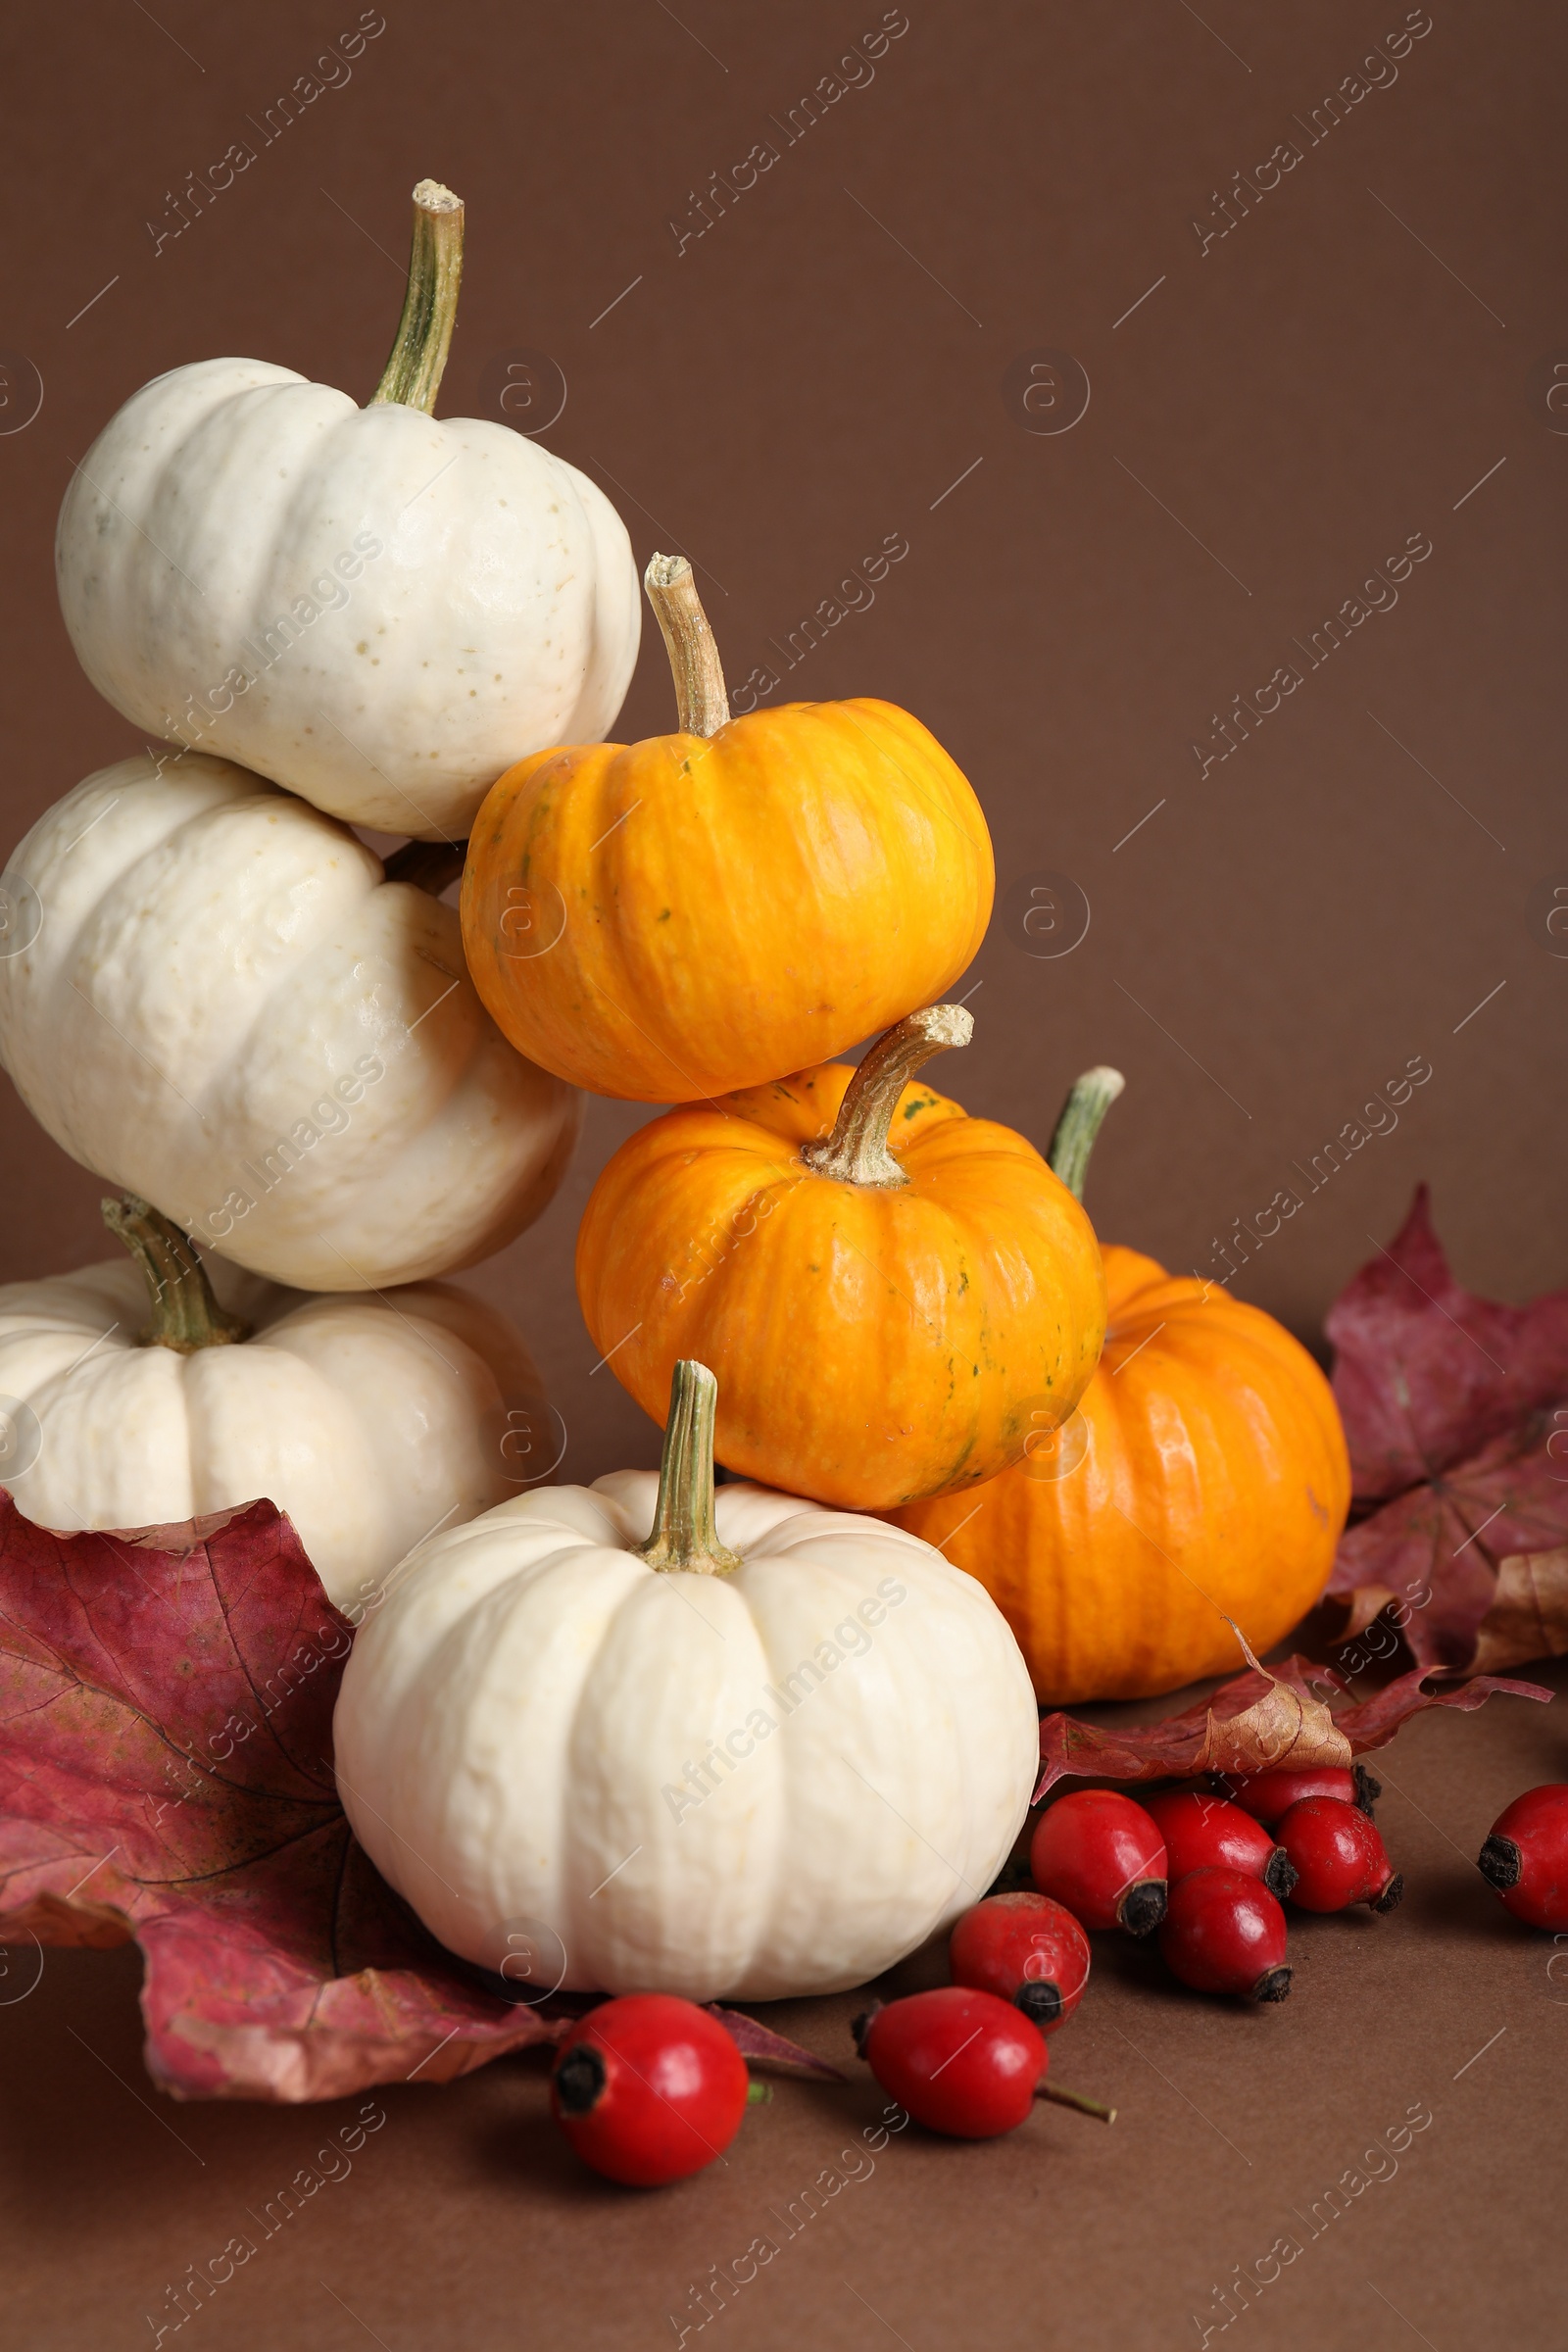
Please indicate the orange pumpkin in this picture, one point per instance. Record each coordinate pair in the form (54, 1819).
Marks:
(668, 920)
(1203, 1478)
(887, 1318)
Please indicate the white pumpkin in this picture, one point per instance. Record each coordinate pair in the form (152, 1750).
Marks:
(212, 998)
(770, 1755)
(369, 1421)
(376, 610)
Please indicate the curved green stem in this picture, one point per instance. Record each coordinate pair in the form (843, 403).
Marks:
(702, 700)
(186, 1315)
(1082, 1116)
(856, 1151)
(1075, 2098)
(412, 376)
(684, 1533)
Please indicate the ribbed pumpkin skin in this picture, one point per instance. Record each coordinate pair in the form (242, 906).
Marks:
(688, 915)
(870, 1345)
(1216, 1480)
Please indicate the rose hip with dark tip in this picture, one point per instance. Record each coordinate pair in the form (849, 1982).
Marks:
(1526, 1857)
(648, 2088)
(1269, 1795)
(962, 2061)
(1339, 1858)
(1026, 1949)
(1225, 1933)
(1099, 1854)
(1205, 1833)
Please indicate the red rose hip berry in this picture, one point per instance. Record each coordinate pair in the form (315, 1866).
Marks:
(962, 2061)
(1269, 1795)
(1101, 1855)
(1526, 1856)
(1025, 1949)
(648, 2088)
(1339, 1858)
(1204, 1832)
(1223, 1932)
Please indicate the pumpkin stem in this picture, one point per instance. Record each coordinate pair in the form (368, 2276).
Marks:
(412, 376)
(856, 1151)
(701, 702)
(684, 1535)
(1082, 1116)
(428, 864)
(186, 1315)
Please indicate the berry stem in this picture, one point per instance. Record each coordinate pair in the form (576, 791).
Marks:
(1075, 2098)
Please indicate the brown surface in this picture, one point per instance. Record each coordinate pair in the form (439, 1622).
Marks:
(463, 2221)
(1318, 909)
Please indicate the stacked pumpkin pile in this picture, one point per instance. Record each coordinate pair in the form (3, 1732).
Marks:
(218, 998)
(649, 1736)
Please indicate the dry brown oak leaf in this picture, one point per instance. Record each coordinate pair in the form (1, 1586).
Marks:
(165, 1773)
(1456, 1409)
(1266, 1720)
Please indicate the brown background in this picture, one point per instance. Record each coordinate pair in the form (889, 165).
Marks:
(1269, 947)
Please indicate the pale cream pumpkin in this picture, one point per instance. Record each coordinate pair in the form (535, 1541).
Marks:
(765, 1749)
(379, 611)
(135, 1394)
(216, 999)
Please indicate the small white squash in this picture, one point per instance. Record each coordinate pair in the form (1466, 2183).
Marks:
(766, 1753)
(369, 1421)
(214, 997)
(376, 610)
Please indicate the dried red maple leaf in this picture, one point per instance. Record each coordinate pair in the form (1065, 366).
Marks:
(165, 1720)
(1266, 1720)
(1455, 1411)
(166, 1716)
(1426, 1373)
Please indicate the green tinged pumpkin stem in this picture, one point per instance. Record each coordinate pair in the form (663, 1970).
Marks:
(684, 1533)
(412, 376)
(856, 1151)
(1082, 1116)
(702, 700)
(186, 1315)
